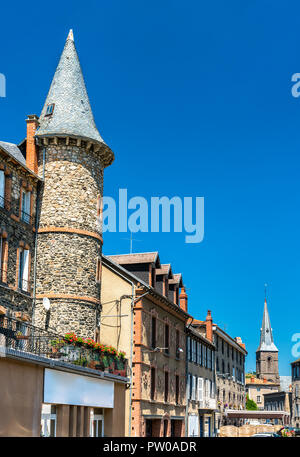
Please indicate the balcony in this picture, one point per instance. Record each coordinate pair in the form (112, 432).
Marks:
(13, 207)
(22, 337)
(208, 403)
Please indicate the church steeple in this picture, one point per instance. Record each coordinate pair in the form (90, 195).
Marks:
(67, 111)
(267, 352)
(266, 335)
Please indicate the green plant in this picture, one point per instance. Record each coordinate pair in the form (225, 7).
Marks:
(250, 404)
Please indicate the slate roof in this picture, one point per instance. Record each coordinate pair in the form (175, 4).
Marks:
(266, 335)
(72, 115)
(14, 151)
(141, 257)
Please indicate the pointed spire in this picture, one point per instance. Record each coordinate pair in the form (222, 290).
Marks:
(67, 110)
(266, 336)
(70, 36)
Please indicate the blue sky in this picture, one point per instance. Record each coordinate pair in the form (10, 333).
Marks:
(195, 99)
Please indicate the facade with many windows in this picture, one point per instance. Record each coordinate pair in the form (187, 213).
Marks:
(201, 384)
(18, 196)
(145, 315)
(296, 393)
(230, 356)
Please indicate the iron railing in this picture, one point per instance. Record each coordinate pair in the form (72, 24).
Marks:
(24, 285)
(13, 206)
(24, 337)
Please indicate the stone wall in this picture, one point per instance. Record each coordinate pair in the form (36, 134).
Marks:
(267, 366)
(15, 234)
(69, 237)
(247, 430)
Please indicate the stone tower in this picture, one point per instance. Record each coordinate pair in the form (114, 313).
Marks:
(267, 352)
(71, 159)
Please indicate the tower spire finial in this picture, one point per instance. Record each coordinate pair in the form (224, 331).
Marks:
(266, 285)
(71, 35)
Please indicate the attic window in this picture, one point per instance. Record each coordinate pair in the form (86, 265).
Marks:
(50, 109)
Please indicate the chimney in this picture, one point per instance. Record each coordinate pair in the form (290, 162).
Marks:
(183, 299)
(31, 148)
(209, 325)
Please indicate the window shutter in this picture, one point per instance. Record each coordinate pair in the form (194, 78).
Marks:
(25, 269)
(200, 389)
(207, 393)
(194, 388)
(189, 387)
(2, 188)
(213, 389)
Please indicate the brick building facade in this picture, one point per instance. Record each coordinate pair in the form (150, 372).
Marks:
(230, 356)
(143, 312)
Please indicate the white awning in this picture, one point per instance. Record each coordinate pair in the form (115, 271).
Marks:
(65, 388)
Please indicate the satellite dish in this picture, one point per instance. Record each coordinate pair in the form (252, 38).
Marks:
(46, 303)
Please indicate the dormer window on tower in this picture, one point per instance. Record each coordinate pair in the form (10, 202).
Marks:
(50, 109)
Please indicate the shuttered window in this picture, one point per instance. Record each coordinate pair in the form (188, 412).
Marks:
(24, 270)
(25, 209)
(200, 389)
(194, 387)
(207, 388)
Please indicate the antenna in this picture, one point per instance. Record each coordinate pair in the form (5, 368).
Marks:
(131, 239)
(266, 285)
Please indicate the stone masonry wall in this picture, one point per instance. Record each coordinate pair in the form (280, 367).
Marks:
(16, 233)
(69, 239)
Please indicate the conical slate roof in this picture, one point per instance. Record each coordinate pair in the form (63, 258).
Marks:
(72, 114)
(266, 336)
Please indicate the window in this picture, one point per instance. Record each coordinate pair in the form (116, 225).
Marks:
(222, 346)
(217, 364)
(189, 348)
(97, 423)
(25, 206)
(205, 355)
(194, 351)
(194, 380)
(200, 389)
(167, 342)
(208, 358)
(177, 389)
(153, 332)
(23, 269)
(2, 188)
(166, 386)
(190, 386)
(177, 344)
(48, 420)
(50, 109)
(3, 255)
(207, 388)
(228, 348)
(258, 399)
(212, 390)
(152, 393)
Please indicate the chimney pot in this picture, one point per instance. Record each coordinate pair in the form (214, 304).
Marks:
(32, 122)
(183, 299)
(209, 326)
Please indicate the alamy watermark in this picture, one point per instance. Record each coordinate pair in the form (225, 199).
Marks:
(2, 85)
(160, 214)
(296, 346)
